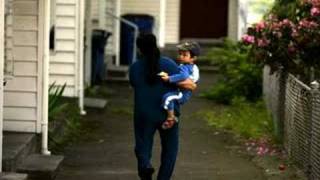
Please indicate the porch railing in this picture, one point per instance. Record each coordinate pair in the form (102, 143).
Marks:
(136, 32)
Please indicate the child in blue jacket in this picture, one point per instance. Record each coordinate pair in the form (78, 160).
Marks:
(188, 53)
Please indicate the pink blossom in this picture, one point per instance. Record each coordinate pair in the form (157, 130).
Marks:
(312, 2)
(260, 26)
(278, 34)
(294, 33)
(315, 2)
(263, 42)
(315, 11)
(248, 39)
(304, 23)
(286, 22)
(275, 26)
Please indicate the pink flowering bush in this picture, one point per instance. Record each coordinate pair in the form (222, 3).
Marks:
(288, 38)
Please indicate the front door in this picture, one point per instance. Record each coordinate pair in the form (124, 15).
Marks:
(204, 19)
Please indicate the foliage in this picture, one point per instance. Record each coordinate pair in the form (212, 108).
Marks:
(240, 78)
(249, 120)
(55, 96)
(288, 37)
(69, 128)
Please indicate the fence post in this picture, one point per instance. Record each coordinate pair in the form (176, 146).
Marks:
(279, 126)
(314, 142)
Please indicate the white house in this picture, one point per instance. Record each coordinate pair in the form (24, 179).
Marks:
(66, 58)
(25, 102)
(175, 20)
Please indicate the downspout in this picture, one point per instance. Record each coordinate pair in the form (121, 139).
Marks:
(1, 75)
(81, 58)
(45, 97)
(162, 28)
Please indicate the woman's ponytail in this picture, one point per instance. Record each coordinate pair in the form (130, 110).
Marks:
(147, 44)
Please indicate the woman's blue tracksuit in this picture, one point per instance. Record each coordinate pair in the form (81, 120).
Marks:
(149, 116)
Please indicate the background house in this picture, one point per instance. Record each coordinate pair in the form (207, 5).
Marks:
(175, 20)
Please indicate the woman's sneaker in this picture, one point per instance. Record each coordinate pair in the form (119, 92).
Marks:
(146, 174)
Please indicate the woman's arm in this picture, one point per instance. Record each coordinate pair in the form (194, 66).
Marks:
(187, 84)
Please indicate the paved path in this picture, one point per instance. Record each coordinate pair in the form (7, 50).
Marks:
(108, 154)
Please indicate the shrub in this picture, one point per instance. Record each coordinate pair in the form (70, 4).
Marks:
(240, 77)
(55, 97)
(288, 37)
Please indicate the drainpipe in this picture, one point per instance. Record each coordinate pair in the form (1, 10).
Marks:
(162, 28)
(1, 76)
(81, 58)
(45, 97)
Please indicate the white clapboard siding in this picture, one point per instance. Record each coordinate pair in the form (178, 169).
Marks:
(95, 10)
(110, 26)
(21, 95)
(110, 22)
(172, 22)
(63, 61)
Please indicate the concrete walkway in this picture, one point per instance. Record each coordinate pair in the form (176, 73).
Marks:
(108, 153)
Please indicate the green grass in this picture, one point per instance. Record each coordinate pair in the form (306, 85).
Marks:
(249, 120)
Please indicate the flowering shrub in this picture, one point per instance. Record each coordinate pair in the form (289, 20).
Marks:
(288, 37)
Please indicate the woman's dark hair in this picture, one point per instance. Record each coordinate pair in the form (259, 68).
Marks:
(147, 44)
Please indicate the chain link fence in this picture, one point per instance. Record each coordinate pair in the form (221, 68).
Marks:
(296, 106)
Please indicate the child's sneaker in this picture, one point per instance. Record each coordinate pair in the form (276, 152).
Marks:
(165, 125)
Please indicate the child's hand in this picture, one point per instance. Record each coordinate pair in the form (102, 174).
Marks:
(164, 76)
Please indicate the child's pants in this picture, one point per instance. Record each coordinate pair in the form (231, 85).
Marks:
(170, 98)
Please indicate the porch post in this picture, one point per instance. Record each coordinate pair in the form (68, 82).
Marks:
(45, 85)
(117, 32)
(1, 75)
(162, 27)
(233, 19)
(81, 56)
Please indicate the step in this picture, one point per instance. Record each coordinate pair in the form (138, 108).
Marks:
(16, 147)
(41, 167)
(116, 74)
(13, 176)
(121, 68)
(95, 102)
(118, 79)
